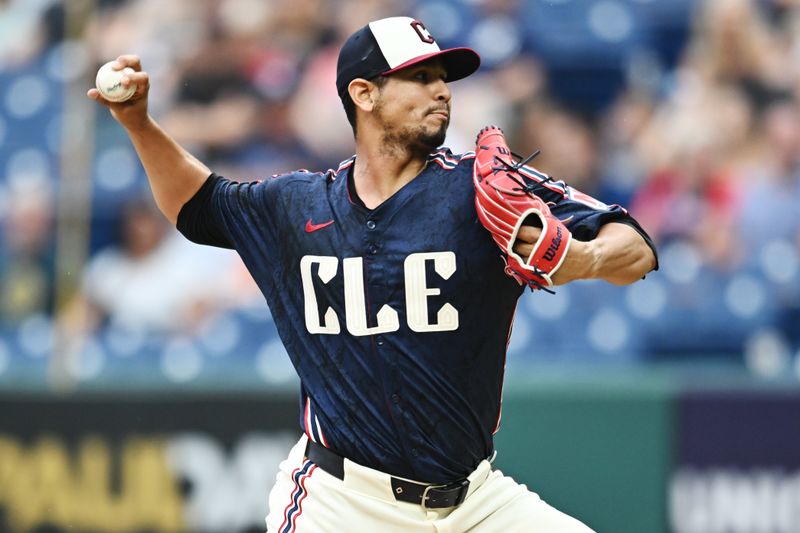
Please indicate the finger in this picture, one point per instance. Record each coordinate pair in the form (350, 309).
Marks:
(528, 234)
(140, 90)
(95, 95)
(128, 60)
(140, 78)
(523, 249)
(142, 85)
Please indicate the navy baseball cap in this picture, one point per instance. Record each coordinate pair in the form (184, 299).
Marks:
(391, 44)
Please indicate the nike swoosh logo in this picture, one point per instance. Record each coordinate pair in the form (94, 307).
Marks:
(311, 227)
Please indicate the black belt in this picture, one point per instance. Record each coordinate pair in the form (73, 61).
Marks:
(429, 496)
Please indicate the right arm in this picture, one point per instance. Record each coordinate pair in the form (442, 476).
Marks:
(174, 174)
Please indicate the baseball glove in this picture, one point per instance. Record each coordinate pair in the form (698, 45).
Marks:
(505, 200)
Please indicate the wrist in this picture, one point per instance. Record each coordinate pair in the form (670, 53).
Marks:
(594, 258)
(582, 260)
(139, 125)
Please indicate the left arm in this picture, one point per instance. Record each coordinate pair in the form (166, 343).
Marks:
(618, 254)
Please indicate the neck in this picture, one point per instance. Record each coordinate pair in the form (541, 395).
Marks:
(381, 169)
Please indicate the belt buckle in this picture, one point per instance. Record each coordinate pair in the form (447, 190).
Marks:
(425, 495)
(460, 485)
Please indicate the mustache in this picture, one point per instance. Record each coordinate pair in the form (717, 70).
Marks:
(439, 108)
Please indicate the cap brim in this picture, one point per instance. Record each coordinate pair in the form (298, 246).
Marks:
(458, 62)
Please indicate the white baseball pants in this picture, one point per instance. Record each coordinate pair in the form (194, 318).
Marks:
(306, 499)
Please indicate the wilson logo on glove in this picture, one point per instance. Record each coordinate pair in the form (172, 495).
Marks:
(552, 250)
(505, 200)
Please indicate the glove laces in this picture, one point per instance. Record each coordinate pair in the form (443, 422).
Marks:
(514, 168)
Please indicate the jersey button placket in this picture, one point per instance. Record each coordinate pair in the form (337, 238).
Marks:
(372, 247)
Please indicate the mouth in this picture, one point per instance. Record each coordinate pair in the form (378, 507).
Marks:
(441, 113)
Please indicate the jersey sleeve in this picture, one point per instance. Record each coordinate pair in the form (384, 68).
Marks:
(581, 213)
(226, 213)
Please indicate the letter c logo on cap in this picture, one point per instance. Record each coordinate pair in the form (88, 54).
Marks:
(424, 35)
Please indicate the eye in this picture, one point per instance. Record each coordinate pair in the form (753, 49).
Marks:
(422, 76)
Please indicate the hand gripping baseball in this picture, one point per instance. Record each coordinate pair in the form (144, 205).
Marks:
(131, 111)
(505, 201)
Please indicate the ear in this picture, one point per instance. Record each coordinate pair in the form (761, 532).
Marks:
(363, 93)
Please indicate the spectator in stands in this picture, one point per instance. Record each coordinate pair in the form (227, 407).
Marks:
(232, 92)
(26, 254)
(770, 209)
(733, 43)
(622, 165)
(153, 280)
(566, 141)
(691, 190)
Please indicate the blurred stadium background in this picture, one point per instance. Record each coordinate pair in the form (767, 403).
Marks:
(142, 383)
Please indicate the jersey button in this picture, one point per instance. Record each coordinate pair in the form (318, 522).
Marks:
(379, 340)
(414, 452)
(372, 249)
(370, 224)
(395, 398)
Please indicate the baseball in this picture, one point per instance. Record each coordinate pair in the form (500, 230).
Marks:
(108, 82)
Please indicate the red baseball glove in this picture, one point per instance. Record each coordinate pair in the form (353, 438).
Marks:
(505, 201)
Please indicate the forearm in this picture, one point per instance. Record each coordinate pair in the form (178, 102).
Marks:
(619, 255)
(174, 174)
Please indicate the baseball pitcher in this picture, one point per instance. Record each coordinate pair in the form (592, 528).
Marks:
(393, 279)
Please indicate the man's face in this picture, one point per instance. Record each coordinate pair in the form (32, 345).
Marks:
(413, 107)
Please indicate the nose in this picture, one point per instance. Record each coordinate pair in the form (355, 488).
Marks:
(442, 91)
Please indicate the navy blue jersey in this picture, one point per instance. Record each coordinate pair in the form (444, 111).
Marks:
(396, 319)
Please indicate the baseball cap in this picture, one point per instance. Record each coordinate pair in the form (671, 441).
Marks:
(391, 44)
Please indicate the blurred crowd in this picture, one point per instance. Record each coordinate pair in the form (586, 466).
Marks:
(687, 112)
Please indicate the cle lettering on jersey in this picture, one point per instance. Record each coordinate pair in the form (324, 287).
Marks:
(417, 293)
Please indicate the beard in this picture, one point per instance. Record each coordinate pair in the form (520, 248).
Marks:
(418, 139)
